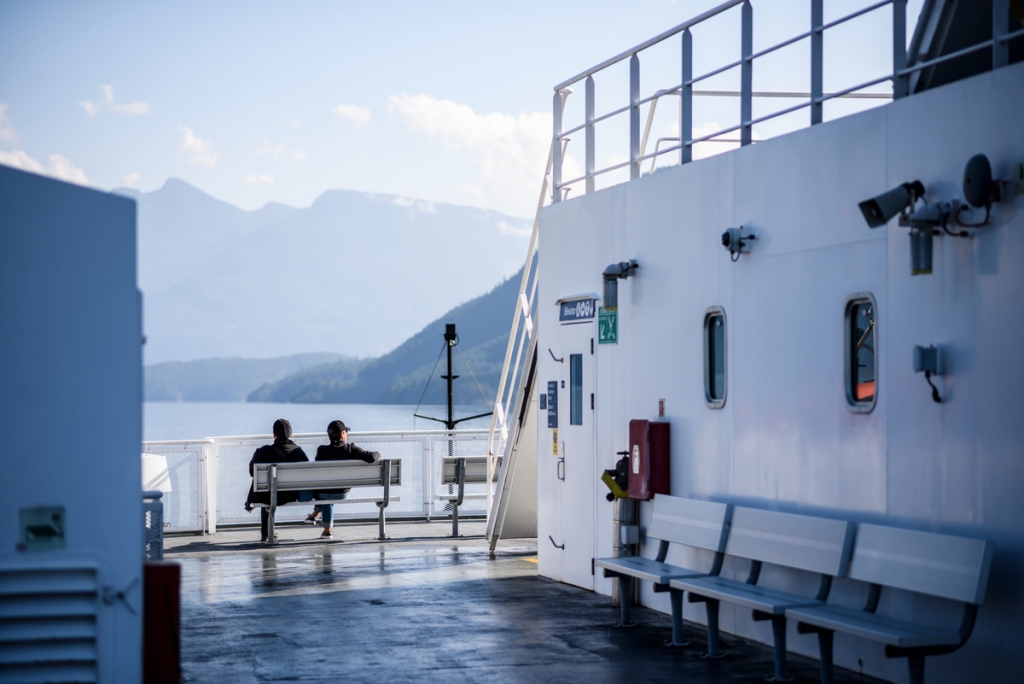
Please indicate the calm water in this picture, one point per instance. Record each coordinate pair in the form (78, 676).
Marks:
(196, 420)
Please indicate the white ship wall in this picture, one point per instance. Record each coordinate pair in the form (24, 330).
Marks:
(71, 408)
(785, 439)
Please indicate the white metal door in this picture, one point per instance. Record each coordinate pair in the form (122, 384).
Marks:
(578, 477)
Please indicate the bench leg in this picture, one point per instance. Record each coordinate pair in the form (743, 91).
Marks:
(712, 610)
(916, 664)
(676, 596)
(825, 652)
(779, 636)
(380, 523)
(455, 520)
(625, 601)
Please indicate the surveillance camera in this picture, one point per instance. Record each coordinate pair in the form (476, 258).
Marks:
(879, 210)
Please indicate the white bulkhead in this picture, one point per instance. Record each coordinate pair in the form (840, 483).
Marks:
(785, 438)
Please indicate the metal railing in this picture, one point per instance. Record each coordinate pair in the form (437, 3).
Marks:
(205, 482)
(814, 100)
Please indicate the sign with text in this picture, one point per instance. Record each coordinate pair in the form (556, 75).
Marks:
(607, 326)
(553, 404)
(576, 310)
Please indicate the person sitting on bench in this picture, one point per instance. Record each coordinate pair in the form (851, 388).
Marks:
(340, 449)
(283, 450)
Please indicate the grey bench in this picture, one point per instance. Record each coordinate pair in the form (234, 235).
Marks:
(674, 520)
(953, 568)
(272, 478)
(459, 472)
(817, 545)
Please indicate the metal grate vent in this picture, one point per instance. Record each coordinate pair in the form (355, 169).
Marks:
(48, 629)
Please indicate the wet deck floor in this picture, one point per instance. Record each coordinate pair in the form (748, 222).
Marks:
(421, 608)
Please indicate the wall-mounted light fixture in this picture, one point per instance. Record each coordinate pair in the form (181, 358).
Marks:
(611, 276)
(736, 242)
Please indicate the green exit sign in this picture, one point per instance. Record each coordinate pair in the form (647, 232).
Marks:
(607, 326)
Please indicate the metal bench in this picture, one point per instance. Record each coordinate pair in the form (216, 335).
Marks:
(817, 545)
(461, 471)
(953, 568)
(674, 520)
(320, 475)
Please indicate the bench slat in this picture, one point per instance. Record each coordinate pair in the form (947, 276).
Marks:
(701, 524)
(936, 564)
(325, 475)
(476, 470)
(805, 542)
(751, 596)
(873, 627)
(645, 569)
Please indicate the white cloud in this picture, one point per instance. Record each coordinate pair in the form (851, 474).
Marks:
(261, 179)
(199, 148)
(418, 205)
(62, 168)
(300, 155)
(293, 123)
(129, 180)
(134, 108)
(505, 228)
(265, 149)
(7, 132)
(509, 151)
(20, 159)
(355, 113)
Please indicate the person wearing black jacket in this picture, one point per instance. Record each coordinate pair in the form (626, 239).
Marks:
(283, 450)
(340, 449)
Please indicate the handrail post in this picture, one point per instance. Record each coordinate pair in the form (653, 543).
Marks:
(385, 467)
(1000, 49)
(590, 139)
(747, 74)
(899, 48)
(556, 148)
(634, 117)
(817, 55)
(686, 102)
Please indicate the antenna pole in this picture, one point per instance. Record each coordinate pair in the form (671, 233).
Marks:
(450, 336)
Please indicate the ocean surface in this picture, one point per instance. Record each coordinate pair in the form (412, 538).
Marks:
(198, 420)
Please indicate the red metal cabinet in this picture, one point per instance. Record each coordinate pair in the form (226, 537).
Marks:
(649, 462)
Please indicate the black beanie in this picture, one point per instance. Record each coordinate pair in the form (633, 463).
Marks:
(282, 429)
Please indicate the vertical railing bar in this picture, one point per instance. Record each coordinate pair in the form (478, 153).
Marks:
(746, 74)
(817, 56)
(899, 48)
(556, 148)
(591, 154)
(1000, 27)
(634, 117)
(686, 101)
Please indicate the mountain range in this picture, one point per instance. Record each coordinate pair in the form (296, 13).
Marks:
(354, 274)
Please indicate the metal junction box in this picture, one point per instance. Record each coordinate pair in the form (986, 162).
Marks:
(649, 462)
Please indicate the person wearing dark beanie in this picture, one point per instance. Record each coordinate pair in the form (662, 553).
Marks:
(340, 449)
(283, 450)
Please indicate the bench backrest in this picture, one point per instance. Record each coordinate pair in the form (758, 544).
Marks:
(326, 475)
(805, 542)
(936, 564)
(702, 524)
(476, 470)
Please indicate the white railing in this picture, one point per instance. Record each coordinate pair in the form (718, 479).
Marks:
(205, 482)
(899, 76)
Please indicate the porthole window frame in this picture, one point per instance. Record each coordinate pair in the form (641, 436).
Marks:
(709, 313)
(852, 404)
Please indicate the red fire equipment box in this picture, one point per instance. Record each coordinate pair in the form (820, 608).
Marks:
(161, 627)
(648, 459)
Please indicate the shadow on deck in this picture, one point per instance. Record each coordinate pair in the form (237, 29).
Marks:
(421, 607)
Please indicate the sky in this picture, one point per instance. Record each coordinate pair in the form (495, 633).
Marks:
(446, 101)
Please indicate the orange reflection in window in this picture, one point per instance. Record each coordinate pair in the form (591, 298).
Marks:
(865, 390)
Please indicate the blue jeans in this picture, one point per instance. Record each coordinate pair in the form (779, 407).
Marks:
(327, 510)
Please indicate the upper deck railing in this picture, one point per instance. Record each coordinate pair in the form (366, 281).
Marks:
(814, 100)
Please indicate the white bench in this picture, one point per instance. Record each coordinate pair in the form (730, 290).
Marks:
(953, 568)
(272, 478)
(818, 545)
(674, 520)
(461, 471)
